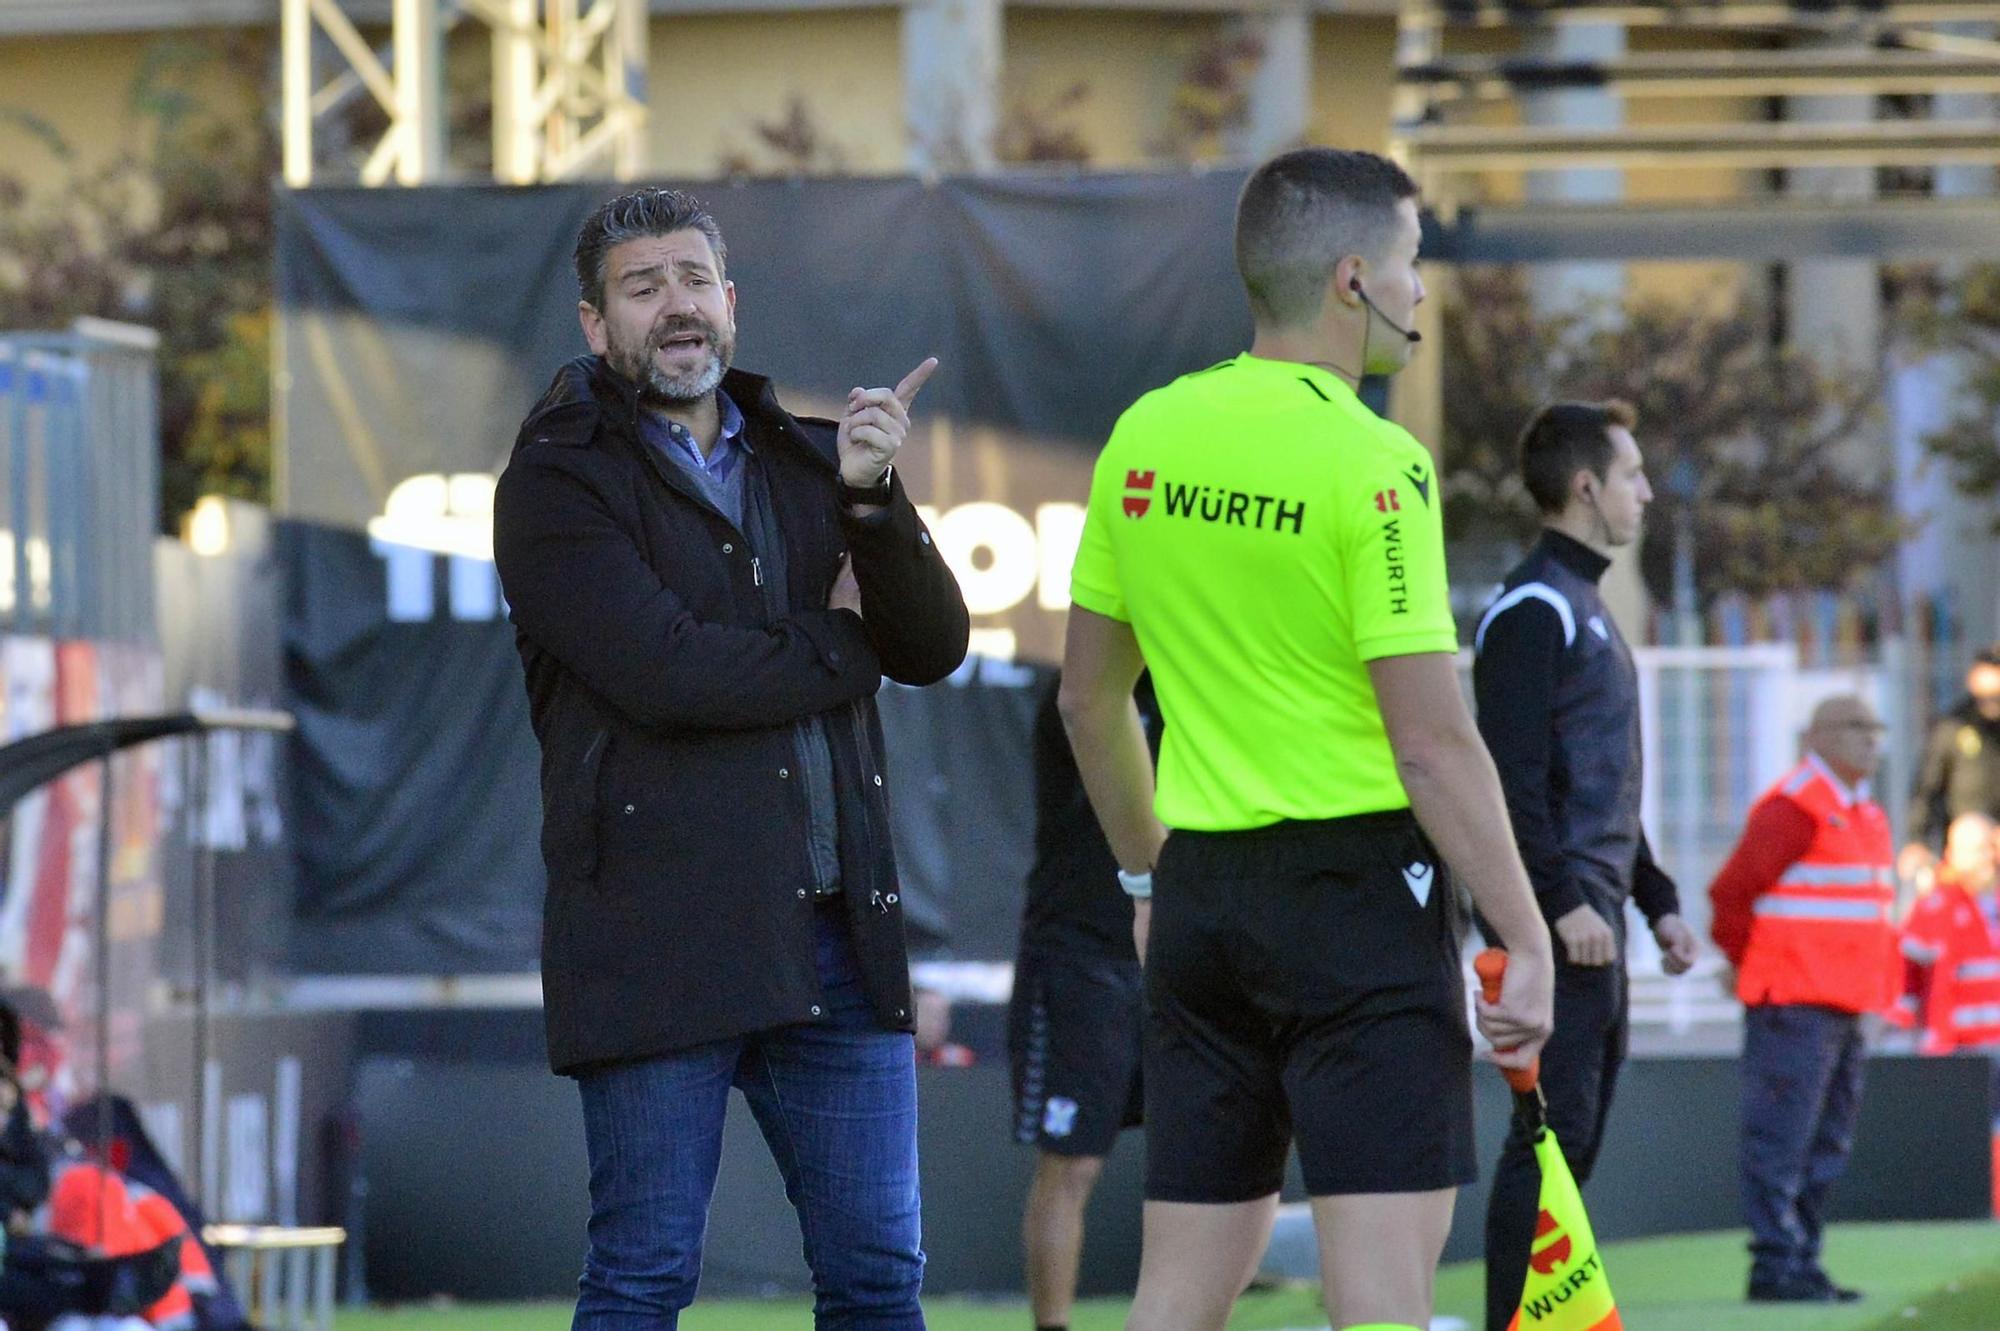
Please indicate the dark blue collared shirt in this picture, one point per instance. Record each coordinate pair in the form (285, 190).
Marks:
(719, 476)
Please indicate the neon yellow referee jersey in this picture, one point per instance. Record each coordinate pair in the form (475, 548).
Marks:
(1266, 535)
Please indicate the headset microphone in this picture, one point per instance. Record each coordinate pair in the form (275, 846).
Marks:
(1354, 285)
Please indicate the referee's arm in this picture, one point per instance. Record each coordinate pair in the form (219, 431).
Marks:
(1455, 794)
(1101, 664)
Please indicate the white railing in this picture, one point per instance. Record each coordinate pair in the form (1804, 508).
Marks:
(1720, 726)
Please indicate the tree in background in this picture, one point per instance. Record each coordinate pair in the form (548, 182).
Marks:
(174, 233)
(1213, 96)
(1044, 131)
(1961, 317)
(1760, 452)
(793, 144)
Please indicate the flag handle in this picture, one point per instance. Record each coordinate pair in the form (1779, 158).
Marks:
(1490, 965)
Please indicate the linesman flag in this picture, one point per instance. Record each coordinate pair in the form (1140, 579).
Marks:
(1566, 1289)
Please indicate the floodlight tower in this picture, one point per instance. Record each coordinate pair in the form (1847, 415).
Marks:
(569, 86)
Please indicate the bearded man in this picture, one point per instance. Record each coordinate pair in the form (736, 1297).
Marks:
(707, 592)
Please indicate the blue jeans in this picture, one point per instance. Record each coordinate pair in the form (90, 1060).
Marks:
(836, 1100)
(1802, 1069)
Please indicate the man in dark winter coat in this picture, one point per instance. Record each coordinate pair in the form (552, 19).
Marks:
(1961, 768)
(707, 592)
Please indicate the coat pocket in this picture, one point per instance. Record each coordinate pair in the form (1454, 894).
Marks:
(570, 807)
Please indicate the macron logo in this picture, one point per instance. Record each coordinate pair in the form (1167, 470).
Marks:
(1420, 479)
(1419, 877)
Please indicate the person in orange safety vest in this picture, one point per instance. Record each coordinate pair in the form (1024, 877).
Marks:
(1952, 946)
(1804, 910)
(100, 1209)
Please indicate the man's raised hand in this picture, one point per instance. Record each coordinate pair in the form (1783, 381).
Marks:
(875, 424)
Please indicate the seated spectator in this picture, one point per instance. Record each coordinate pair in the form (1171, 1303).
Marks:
(45, 1277)
(38, 1051)
(24, 1153)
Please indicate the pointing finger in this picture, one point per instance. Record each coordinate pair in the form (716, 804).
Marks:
(915, 379)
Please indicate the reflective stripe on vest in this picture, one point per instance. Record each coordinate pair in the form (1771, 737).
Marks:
(1951, 937)
(1823, 932)
(1836, 875)
(1978, 1014)
(1795, 908)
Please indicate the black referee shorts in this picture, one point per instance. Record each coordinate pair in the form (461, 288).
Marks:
(1303, 983)
(1073, 1042)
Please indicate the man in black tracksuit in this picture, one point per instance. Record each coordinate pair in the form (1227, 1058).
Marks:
(1558, 706)
(1073, 1027)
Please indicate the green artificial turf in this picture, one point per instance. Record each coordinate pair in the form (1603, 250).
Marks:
(1961, 1305)
(1934, 1277)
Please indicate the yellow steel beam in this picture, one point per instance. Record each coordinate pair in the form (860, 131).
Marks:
(1467, 148)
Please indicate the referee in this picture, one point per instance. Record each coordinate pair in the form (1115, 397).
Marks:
(1272, 551)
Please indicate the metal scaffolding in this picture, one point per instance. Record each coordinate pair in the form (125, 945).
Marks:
(1710, 74)
(1450, 116)
(569, 88)
(1698, 13)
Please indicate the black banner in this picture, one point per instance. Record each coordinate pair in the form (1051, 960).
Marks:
(415, 800)
(417, 325)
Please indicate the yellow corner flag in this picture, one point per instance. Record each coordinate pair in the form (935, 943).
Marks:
(1566, 1289)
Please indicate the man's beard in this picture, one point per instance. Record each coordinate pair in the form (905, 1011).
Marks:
(656, 384)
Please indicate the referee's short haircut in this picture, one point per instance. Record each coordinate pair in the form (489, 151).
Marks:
(1300, 214)
(1564, 438)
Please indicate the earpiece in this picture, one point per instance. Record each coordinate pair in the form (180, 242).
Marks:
(1354, 285)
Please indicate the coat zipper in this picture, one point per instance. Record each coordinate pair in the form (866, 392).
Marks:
(868, 800)
(757, 570)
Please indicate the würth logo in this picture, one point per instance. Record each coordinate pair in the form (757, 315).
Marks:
(1234, 508)
(1137, 504)
(1548, 1257)
(1386, 502)
(1392, 557)
(1210, 503)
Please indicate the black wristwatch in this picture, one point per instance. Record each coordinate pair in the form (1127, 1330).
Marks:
(878, 493)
